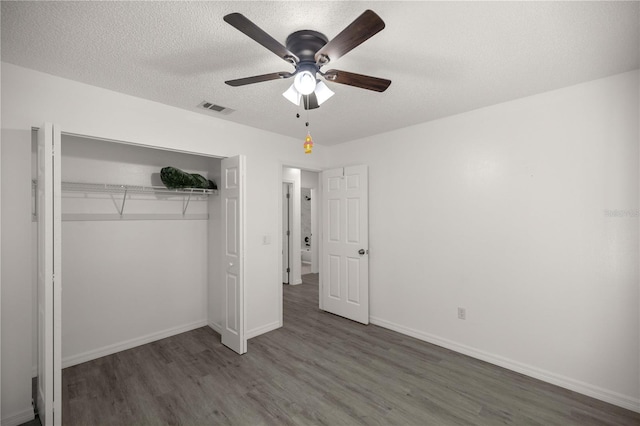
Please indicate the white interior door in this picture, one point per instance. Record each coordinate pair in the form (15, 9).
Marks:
(345, 243)
(49, 392)
(232, 193)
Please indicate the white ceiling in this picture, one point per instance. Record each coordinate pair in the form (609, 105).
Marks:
(443, 58)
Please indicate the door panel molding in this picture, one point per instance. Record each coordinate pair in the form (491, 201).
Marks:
(345, 243)
(232, 192)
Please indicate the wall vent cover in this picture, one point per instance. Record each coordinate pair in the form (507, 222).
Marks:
(210, 106)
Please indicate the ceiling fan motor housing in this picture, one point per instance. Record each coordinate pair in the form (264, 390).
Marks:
(305, 43)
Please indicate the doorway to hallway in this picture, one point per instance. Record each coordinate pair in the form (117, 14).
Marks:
(300, 227)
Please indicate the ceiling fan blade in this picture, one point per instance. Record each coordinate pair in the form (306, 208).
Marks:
(364, 27)
(310, 101)
(258, 78)
(241, 23)
(357, 80)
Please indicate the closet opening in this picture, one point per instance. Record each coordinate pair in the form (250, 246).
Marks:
(136, 264)
(140, 261)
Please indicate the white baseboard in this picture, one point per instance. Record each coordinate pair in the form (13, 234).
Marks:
(264, 329)
(252, 333)
(216, 327)
(17, 419)
(128, 344)
(605, 395)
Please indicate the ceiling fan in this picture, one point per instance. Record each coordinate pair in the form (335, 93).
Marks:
(308, 51)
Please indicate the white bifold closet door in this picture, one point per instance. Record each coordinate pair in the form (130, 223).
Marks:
(49, 391)
(232, 193)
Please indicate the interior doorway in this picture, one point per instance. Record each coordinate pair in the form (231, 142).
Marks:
(300, 226)
(309, 229)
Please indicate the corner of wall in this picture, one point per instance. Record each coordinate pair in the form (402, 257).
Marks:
(19, 418)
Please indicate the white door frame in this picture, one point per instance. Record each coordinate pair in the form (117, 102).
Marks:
(315, 230)
(49, 388)
(287, 189)
(318, 229)
(295, 246)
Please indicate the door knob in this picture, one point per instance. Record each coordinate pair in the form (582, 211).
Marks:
(361, 252)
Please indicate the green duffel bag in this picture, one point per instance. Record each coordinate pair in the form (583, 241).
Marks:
(200, 181)
(175, 178)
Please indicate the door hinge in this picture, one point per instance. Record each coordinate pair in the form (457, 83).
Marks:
(288, 233)
(288, 195)
(288, 270)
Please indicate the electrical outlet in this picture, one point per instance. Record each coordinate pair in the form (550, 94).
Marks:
(462, 313)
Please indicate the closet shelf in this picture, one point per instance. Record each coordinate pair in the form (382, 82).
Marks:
(115, 188)
(125, 190)
(136, 189)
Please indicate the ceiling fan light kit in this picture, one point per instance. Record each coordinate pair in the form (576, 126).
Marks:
(305, 81)
(293, 95)
(308, 51)
(322, 92)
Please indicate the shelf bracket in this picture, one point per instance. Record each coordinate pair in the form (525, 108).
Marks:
(184, 211)
(124, 200)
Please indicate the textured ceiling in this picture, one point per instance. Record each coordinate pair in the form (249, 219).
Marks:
(444, 58)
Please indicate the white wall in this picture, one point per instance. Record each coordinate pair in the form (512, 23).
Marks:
(16, 269)
(308, 179)
(30, 98)
(524, 213)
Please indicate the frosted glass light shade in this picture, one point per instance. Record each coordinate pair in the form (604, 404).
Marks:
(305, 82)
(293, 95)
(322, 92)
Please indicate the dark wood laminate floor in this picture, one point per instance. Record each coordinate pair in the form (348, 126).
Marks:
(317, 369)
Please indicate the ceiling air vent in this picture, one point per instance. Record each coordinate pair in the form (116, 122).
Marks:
(216, 108)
